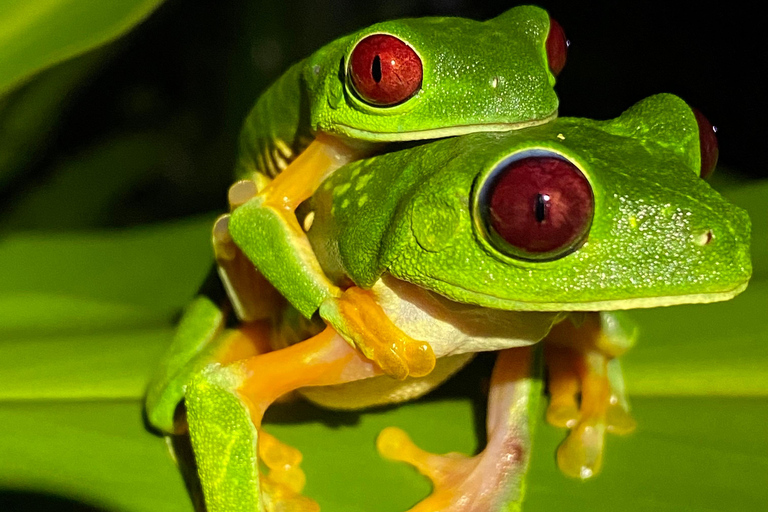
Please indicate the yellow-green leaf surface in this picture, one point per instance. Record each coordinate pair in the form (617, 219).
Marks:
(85, 317)
(36, 34)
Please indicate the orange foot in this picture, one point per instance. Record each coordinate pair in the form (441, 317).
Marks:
(359, 318)
(283, 484)
(578, 369)
(492, 480)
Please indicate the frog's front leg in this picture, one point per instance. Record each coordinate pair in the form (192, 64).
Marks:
(581, 357)
(225, 406)
(265, 228)
(494, 479)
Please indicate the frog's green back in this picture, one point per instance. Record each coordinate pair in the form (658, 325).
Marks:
(477, 76)
(411, 213)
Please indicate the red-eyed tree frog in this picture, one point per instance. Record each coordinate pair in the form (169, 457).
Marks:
(483, 242)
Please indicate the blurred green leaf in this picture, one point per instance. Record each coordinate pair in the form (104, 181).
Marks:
(30, 114)
(157, 267)
(97, 453)
(37, 34)
(113, 167)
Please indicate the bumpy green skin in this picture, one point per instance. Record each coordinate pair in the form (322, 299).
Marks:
(225, 442)
(411, 213)
(191, 349)
(475, 73)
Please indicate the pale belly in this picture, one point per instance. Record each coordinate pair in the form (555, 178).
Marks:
(455, 331)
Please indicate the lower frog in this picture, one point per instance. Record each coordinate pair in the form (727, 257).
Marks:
(485, 242)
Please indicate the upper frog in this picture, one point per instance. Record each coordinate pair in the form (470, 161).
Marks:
(411, 79)
(573, 215)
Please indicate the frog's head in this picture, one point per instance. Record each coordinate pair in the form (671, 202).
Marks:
(434, 77)
(572, 215)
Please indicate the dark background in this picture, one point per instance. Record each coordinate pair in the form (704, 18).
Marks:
(188, 75)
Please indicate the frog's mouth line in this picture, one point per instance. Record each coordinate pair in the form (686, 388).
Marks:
(604, 305)
(439, 133)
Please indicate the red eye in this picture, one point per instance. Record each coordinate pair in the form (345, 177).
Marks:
(384, 70)
(538, 208)
(708, 144)
(557, 47)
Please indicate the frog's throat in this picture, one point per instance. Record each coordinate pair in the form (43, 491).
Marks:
(600, 305)
(438, 133)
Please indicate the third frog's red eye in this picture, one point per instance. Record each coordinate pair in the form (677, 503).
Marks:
(538, 207)
(557, 47)
(385, 71)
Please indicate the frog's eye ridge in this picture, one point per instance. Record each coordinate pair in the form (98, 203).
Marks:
(557, 47)
(537, 207)
(384, 71)
(707, 143)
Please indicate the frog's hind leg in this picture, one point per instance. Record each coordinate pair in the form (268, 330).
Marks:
(494, 479)
(200, 338)
(225, 406)
(581, 357)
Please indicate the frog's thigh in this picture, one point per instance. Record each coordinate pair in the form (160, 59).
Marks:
(200, 338)
(493, 480)
(383, 389)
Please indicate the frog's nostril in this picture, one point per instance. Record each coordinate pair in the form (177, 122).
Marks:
(703, 238)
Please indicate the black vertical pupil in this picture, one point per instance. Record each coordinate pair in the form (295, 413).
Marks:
(541, 207)
(376, 69)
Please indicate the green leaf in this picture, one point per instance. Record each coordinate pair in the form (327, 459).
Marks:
(112, 168)
(37, 34)
(30, 114)
(158, 267)
(97, 453)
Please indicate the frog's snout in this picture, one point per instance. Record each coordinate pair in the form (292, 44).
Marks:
(727, 240)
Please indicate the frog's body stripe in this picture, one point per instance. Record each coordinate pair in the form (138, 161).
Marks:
(276, 130)
(439, 133)
(600, 305)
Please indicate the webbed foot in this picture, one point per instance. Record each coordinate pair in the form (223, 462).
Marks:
(225, 406)
(358, 317)
(492, 480)
(581, 364)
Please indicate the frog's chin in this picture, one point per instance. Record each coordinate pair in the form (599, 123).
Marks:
(436, 133)
(610, 305)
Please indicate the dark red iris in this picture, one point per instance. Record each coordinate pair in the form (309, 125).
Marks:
(541, 206)
(708, 144)
(557, 47)
(384, 70)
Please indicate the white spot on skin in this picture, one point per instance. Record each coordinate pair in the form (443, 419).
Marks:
(561, 136)
(341, 189)
(362, 182)
(308, 220)
(495, 82)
